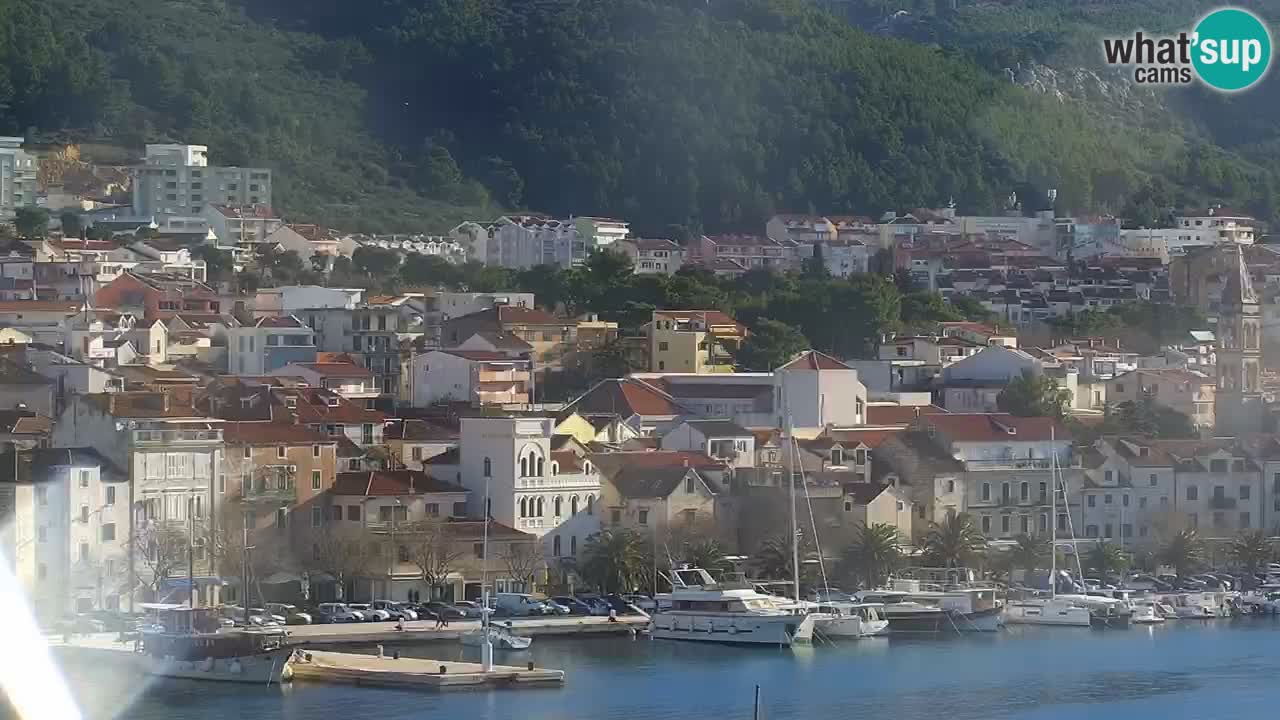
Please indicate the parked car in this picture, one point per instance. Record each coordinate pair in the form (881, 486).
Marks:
(394, 611)
(262, 616)
(551, 607)
(291, 613)
(1149, 583)
(470, 609)
(517, 604)
(336, 613)
(575, 606)
(370, 613)
(596, 603)
(644, 602)
(449, 612)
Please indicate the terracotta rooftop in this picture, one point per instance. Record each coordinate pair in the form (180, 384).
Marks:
(994, 427)
(389, 483)
(272, 433)
(334, 369)
(898, 414)
(625, 397)
(418, 430)
(814, 360)
(23, 422)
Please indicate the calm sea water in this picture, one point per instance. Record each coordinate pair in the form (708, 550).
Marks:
(1218, 670)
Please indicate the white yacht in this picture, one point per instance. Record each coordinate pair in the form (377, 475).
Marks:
(905, 615)
(1048, 611)
(728, 612)
(836, 619)
(1147, 612)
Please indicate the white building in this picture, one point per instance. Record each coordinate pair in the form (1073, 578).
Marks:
(723, 440)
(523, 241)
(456, 304)
(244, 225)
(66, 517)
(17, 177)
(654, 256)
(269, 344)
(530, 488)
(480, 377)
(178, 180)
(289, 299)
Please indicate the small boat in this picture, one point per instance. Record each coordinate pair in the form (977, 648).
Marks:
(191, 643)
(1147, 612)
(1193, 606)
(1048, 611)
(906, 615)
(501, 636)
(839, 620)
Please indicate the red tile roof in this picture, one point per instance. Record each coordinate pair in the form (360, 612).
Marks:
(336, 369)
(482, 355)
(389, 483)
(625, 397)
(272, 433)
(567, 460)
(287, 321)
(898, 414)
(70, 308)
(994, 427)
(853, 438)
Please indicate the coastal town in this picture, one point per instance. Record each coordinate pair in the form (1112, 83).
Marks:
(198, 409)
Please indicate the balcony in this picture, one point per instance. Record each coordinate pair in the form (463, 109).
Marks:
(1222, 503)
(503, 376)
(1016, 464)
(272, 494)
(167, 437)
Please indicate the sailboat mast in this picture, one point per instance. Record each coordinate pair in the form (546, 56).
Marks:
(791, 497)
(1053, 515)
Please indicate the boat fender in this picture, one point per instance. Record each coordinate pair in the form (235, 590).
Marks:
(733, 629)
(234, 667)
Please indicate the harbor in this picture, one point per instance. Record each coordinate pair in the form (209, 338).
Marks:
(1221, 669)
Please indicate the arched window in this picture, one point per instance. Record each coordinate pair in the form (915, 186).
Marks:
(573, 545)
(557, 505)
(555, 546)
(555, 468)
(539, 467)
(524, 467)
(541, 509)
(524, 507)
(587, 467)
(573, 505)
(488, 467)
(591, 504)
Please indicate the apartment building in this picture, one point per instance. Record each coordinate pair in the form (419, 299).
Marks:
(693, 341)
(18, 171)
(177, 179)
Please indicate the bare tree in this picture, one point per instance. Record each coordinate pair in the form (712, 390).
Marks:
(523, 561)
(342, 557)
(433, 551)
(160, 550)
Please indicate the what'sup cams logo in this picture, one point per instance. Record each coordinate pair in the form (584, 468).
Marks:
(1229, 50)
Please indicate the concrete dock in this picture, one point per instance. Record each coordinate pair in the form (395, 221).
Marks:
(373, 671)
(420, 631)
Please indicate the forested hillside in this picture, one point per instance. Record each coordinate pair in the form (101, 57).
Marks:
(409, 114)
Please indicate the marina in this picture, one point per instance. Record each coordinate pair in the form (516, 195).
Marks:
(1221, 669)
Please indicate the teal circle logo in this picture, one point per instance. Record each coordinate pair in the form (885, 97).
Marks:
(1231, 49)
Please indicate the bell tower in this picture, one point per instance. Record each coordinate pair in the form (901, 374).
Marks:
(1238, 407)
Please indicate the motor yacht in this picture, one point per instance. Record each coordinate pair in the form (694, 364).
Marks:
(728, 611)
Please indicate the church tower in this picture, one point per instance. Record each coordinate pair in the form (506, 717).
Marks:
(1239, 407)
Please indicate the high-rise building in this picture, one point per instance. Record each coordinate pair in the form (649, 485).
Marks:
(1239, 406)
(178, 180)
(17, 177)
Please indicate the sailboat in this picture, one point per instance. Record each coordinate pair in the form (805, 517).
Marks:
(1053, 610)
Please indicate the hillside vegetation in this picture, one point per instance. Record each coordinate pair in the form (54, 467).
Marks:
(399, 114)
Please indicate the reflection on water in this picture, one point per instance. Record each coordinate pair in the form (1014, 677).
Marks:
(1213, 670)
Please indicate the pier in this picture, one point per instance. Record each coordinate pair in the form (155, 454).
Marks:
(388, 671)
(421, 631)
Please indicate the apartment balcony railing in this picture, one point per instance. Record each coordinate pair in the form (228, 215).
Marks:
(508, 376)
(1017, 464)
(270, 494)
(177, 436)
(1222, 503)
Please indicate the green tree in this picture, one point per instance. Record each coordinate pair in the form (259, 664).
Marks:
(954, 542)
(872, 555)
(971, 309)
(1147, 417)
(218, 263)
(615, 560)
(772, 560)
(428, 270)
(1251, 550)
(1032, 395)
(72, 224)
(1105, 559)
(925, 310)
(1030, 553)
(31, 222)
(769, 345)
(375, 262)
(706, 553)
(1185, 552)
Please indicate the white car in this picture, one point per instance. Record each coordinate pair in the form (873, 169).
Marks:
(369, 613)
(554, 608)
(470, 608)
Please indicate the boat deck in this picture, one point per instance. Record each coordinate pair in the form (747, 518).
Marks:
(373, 671)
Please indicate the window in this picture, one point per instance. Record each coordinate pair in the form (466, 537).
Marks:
(1153, 480)
(573, 545)
(416, 452)
(1025, 491)
(111, 495)
(1044, 492)
(1092, 500)
(488, 467)
(42, 534)
(951, 486)
(1193, 493)
(478, 549)
(460, 509)
(1044, 522)
(402, 554)
(1164, 501)
(1107, 530)
(1024, 523)
(615, 516)
(41, 572)
(1275, 483)
(555, 546)
(282, 518)
(1124, 499)
(1219, 520)
(986, 491)
(336, 512)
(353, 464)
(108, 532)
(662, 347)
(366, 434)
(315, 449)
(538, 508)
(280, 452)
(433, 509)
(1244, 492)
(317, 516)
(688, 485)
(315, 479)
(1244, 520)
(248, 453)
(1091, 531)
(986, 523)
(84, 478)
(1119, 387)
(1193, 520)
(84, 514)
(42, 495)
(591, 504)
(84, 552)
(1218, 466)
(1142, 502)
(1106, 499)
(353, 513)
(1062, 522)
(643, 517)
(1108, 475)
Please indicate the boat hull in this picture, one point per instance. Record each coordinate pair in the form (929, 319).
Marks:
(780, 630)
(849, 627)
(1048, 614)
(261, 668)
(989, 620)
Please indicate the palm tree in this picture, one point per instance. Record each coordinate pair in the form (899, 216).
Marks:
(872, 554)
(1251, 550)
(1184, 551)
(772, 560)
(1106, 559)
(708, 554)
(954, 542)
(615, 560)
(1030, 552)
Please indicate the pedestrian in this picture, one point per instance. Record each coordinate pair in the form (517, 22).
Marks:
(440, 620)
